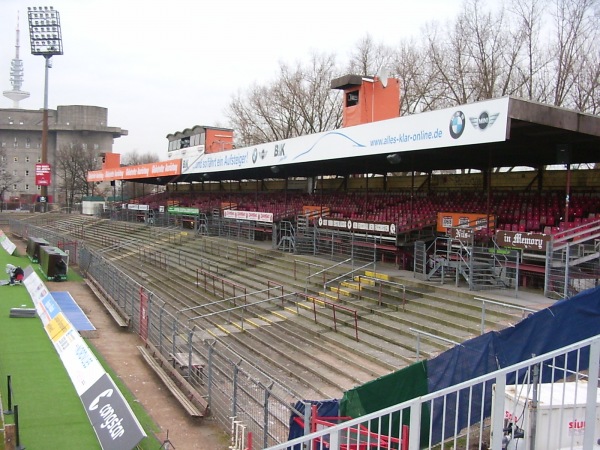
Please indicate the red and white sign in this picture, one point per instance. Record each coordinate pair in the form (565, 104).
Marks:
(42, 174)
(150, 170)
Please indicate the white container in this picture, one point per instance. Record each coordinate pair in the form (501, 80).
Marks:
(560, 415)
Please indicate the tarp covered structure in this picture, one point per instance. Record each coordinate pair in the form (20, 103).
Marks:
(564, 323)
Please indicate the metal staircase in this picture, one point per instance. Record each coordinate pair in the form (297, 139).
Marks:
(573, 260)
(305, 239)
(286, 237)
(448, 259)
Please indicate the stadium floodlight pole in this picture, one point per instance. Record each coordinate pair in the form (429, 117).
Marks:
(46, 40)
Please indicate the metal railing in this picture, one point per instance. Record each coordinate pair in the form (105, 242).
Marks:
(345, 275)
(504, 305)
(572, 263)
(334, 306)
(496, 410)
(324, 272)
(299, 263)
(216, 284)
(378, 282)
(420, 333)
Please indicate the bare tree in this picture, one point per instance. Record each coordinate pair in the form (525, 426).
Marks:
(494, 49)
(528, 17)
(369, 58)
(490, 49)
(452, 67)
(135, 158)
(73, 162)
(7, 179)
(586, 92)
(299, 102)
(576, 24)
(418, 77)
(134, 189)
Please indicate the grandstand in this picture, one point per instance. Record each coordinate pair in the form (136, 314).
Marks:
(271, 275)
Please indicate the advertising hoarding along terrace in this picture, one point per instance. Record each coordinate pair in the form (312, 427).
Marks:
(114, 422)
(477, 221)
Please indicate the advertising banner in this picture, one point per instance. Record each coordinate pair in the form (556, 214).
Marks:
(360, 226)
(464, 235)
(471, 124)
(114, 422)
(137, 207)
(115, 425)
(183, 210)
(7, 244)
(42, 174)
(151, 170)
(477, 221)
(522, 240)
(248, 215)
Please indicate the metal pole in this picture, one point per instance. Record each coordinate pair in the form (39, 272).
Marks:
(9, 392)
(307, 419)
(18, 446)
(44, 155)
(483, 317)
(567, 193)
(534, 405)
(547, 266)
(590, 411)
(566, 275)
(235, 389)
(265, 429)
(210, 367)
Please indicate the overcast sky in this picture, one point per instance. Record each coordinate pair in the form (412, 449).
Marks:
(160, 67)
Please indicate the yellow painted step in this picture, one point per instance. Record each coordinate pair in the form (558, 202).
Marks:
(364, 281)
(340, 291)
(352, 285)
(380, 276)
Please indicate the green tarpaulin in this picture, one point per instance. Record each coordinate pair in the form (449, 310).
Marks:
(389, 390)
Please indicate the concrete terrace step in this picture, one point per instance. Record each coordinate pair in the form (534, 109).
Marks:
(414, 312)
(235, 327)
(444, 303)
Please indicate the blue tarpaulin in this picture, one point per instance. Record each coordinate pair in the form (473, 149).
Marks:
(564, 323)
(73, 312)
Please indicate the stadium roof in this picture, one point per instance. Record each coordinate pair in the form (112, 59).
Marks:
(503, 132)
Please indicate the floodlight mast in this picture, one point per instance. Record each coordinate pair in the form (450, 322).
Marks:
(46, 40)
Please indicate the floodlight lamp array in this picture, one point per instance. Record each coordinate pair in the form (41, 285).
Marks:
(44, 30)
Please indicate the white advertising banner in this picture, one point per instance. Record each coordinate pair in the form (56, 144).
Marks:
(475, 123)
(248, 215)
(83, 367)
(6, 243)
(85, 372)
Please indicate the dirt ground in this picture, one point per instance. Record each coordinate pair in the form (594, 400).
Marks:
(119, 348)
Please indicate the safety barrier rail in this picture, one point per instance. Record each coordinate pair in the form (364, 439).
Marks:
(496, 410)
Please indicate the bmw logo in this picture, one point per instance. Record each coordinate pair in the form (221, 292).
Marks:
(457, 124)
(254, 155)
